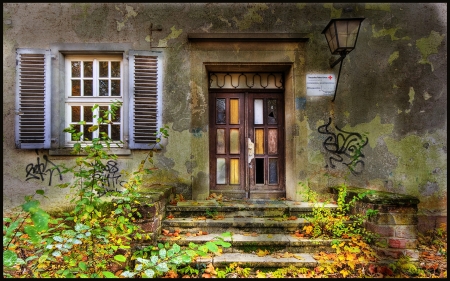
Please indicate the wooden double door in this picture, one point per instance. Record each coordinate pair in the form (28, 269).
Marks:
(247, 144)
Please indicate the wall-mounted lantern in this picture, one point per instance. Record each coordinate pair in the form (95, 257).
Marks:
(341, 35)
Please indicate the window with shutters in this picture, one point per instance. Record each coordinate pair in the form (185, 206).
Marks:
(93, 80)
(86, 78)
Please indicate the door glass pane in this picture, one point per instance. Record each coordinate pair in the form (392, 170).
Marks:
(273, 170)
(272, 111)
(234, 171)
(259, 141)
(234, 111)
(234, 141)
(220, 139)
(272, 141)
(220, 108)
(221, 171)
(259, 170)
(258, 107)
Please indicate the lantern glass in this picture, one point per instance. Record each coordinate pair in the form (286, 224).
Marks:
(341, 34)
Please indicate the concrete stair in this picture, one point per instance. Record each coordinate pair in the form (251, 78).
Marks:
(255, 226)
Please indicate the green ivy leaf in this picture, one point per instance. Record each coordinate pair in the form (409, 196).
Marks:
(32, 233)
(9, 258)
(40, 219)
(162, 267)
(162, 253)
(212, 247)
(31, 206)
(82, 265)
(149, 273)
(108, 274)
(120, 258)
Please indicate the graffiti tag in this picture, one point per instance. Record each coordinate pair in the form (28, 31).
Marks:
(40, 170)
(344, 147)
(109, 178)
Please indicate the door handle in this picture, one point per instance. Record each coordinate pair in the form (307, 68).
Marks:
(251, 150)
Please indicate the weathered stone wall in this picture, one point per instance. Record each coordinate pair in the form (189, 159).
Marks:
(395, 223)
(392, 92)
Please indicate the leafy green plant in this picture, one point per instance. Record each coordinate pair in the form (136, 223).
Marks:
(166, 257)
(94, 238)
(33, 220)
(338, 223)
(211, 213)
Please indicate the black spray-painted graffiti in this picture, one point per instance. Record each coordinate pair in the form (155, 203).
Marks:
(40, 170)
(109, 178)
(344, 147)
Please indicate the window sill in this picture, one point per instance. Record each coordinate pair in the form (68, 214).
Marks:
(68, 152)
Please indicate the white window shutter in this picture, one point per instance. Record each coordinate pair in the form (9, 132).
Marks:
(145, 96)
(33, 92)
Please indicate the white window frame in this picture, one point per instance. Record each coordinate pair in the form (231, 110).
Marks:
(95, 98)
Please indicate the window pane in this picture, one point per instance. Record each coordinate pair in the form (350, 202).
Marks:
(77, 129)
(259, 170)
(86, 134)
(273, 141)
(234, 171)
(258, 107)
(103, 112)
(272, 109)
(87, 69)
(76, 68)
(76, 88)
(234, 111)
(259, 141)
(87, 111)
(115, 132)
(88, 88)
(234, 141)
(273, 170)
(103, 129)
(76, 116)
(220, 141)
(115, 69)
(221, 116)
(115, 87)
(103, 88)
(116, 117)
(103, 68)
(221, 171)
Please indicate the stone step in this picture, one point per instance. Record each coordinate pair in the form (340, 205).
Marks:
(254, 261)
(252, 242)
(235, 224)
(243, 208)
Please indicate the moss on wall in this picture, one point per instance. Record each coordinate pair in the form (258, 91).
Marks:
(429, 45)
(374, 130)
(420, 162)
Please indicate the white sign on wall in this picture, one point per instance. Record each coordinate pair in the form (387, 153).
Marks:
(320, 84)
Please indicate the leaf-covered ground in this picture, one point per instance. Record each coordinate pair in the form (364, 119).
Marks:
(432, 263)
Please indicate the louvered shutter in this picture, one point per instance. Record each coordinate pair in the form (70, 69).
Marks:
(32, 121)
(145, 87)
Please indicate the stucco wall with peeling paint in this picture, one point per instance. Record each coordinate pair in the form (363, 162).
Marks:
(392, 89)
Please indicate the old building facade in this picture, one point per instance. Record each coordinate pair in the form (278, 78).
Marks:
(246, 90)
